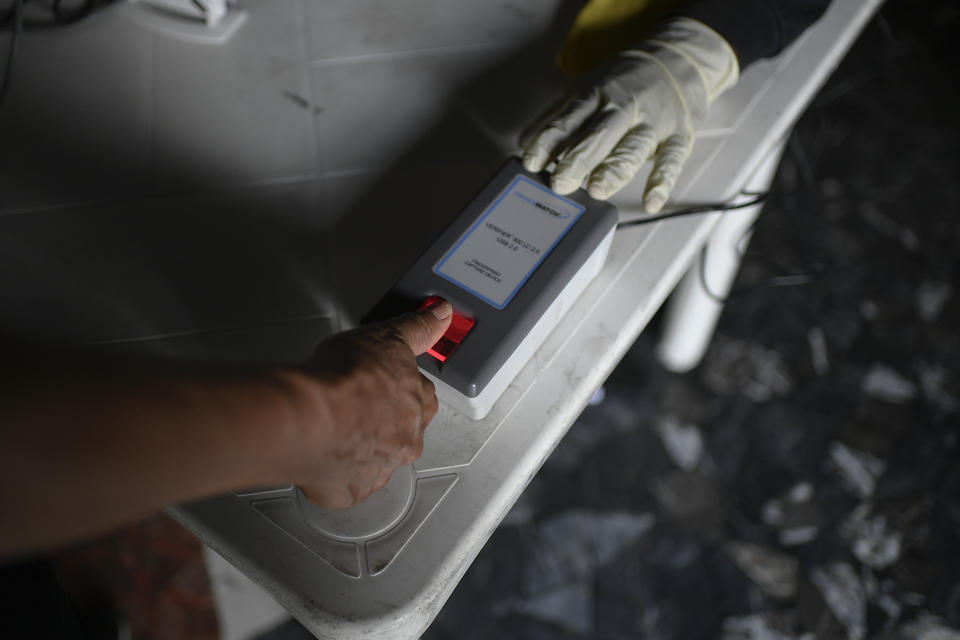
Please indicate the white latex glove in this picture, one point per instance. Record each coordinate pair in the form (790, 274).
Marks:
(648, 104)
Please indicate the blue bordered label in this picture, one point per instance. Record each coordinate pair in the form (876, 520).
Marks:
(502, 249)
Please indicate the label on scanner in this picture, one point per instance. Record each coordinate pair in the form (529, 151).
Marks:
(500, 251)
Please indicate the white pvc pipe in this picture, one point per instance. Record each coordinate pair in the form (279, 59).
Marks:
(692, 312)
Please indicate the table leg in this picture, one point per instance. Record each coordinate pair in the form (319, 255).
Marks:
(695, 305)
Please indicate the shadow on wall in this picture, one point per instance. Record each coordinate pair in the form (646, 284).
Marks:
(144, 255)
(153, 255)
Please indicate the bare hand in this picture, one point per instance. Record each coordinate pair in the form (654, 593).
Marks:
(377, 405)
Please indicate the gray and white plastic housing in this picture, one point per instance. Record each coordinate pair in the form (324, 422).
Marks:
(507, 330)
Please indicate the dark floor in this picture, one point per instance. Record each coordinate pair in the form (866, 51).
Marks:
(805, 479)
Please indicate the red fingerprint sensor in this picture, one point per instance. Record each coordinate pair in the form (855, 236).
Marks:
(459, 327)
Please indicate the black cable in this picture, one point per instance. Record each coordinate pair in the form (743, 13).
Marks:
(778, 281)
(715, 207)
(17, 15)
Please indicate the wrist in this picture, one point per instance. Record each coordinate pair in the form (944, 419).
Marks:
(304, 414)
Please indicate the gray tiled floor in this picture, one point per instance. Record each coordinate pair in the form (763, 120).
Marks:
(231, 113)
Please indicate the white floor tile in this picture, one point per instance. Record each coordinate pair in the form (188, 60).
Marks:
(238, 112)
(346, 28)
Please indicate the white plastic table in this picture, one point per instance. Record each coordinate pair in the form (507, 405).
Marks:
(385, 570)
(263, 192)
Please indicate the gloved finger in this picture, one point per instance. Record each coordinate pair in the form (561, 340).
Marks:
(577, 162)
(568, 119)
(667, 165)
(630, 154)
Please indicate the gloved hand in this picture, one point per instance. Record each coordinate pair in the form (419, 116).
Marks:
(648, 104)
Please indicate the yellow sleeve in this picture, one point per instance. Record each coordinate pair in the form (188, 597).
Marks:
(604, 28)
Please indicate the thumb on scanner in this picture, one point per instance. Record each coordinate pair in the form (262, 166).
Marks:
(422, 329)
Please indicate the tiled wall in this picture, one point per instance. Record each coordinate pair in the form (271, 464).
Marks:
(152, 187)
